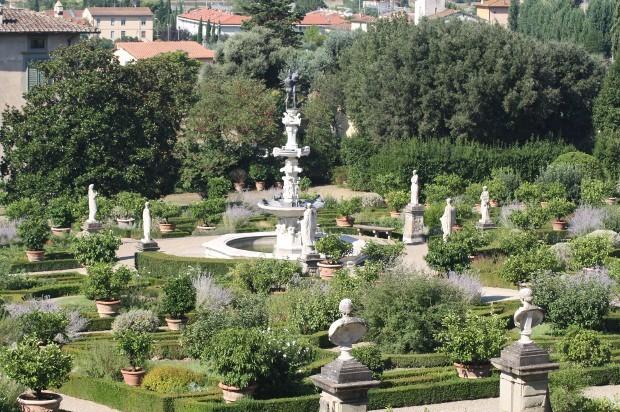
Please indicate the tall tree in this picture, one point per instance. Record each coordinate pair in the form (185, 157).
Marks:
(513, 15)
(208, 31)
(98, 122)
(199, 36)
(276, 15)
(615, 39)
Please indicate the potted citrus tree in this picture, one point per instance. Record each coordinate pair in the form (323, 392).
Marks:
(127, 207)
(136, 346)
(345, 210)
(397, 200)
(258, 173)
(208, 212)
(105, 285)
(334, 249)
(179, 298)
(37, 367)
(60, 213)
(34, 233)
(560, 208)
(164, 211)
(470, 341)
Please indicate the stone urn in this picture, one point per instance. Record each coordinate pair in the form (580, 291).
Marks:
(176, 324)
(167, 227)
(345, 221)
(125, 224)
(260, 185)
(61, 231)
(35, 255)
(133, 378)
(611, 201)
(327, 269)
(49, 402)
(473, 370)
(232, 394)
(108, 308)
(559, 225)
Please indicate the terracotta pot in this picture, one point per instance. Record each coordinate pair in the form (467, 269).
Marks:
(176, 324)
(232, 394)
(559, 225)
(260, 185)
(35, 255)
(61, 231)
(133, 378)
(29, 403)
(494, 203)
(611, 201)
(345, 221)
(327, 270)
(544, 205)
(167, 227)
(394, 214)
(108, 308)
(457, 228)
(125, 223)
(473, 371)
(239, 187)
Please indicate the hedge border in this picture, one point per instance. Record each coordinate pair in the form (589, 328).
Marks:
(44, 266)
(161, 265)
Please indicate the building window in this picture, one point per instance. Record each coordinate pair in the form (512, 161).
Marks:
(112, 35)
(112, 21)
(98, 20)
(122, 22)
(122, 34)
(37, 43)
(143, 22)
(143, 34)
(35, 76)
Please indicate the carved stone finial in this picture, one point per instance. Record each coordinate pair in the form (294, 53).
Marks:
(528, 316)
(347, 330)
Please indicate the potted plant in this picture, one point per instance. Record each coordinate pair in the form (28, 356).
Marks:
(560, 208)
(397, 200)
(136, 346)
(345, 209)
(208, 212)
(34, 233)
(127, 208)
(258, 173)
(334, 249)
(470, 341)
(105, 285)
(164, 211)
(241, 357)
(37, 367)
(60, 213)
(238, 177)
(179, 298)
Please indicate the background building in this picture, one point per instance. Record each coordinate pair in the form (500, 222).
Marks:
(131, 51)
(116, 23)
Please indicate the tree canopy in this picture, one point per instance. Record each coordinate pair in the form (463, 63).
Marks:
(98, 122)
(276, 15)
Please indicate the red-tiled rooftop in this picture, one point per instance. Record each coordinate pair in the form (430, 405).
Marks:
(28, 21)
(215, 16)
(323, 18)
(120, 11)
(72, 15)
(363, 18)
(144, 50)
(494, 3)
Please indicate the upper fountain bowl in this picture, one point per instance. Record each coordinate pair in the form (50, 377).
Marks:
(281, 209)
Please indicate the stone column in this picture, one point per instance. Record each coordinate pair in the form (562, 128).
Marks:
(345, 382)
(413, 232)
(524, 366)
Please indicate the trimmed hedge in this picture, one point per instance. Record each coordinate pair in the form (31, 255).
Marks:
(320, 339)
(422, 360)
(44, 266)
(161, 265)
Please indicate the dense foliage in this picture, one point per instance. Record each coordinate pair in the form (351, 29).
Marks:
(265, 275)
(136, 346)
(584, 347)
(106, 283)
(96, 248)
(179, 296)
(171, 379)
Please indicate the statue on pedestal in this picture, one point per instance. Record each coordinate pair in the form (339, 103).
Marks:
(415, 189)
(485, 216)
(92, 204)
(448, 219)
(290, 86)
(308, 230)
(146, 223)
(528, 316)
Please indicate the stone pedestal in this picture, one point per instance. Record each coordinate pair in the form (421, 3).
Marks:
(413, 232)
(485, 225)
(150, 246)
(288, 237)
(345, 385)
(309, 263)
(92, 227)
(524, 378)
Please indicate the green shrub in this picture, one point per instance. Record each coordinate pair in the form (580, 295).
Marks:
(552, 190)
(208, 212)
(137, 320)
(34, 366)
(433, 213)
(218, 187)
(348, 207)
(588, 163)
(504, 182)
(567, 174)
(100, 359)
(534, 217)
(264, 275)
(522, 267)
(9, 391)
(581, 299)
(333, 247)
(447, 256)
(443, 187)
(136, 346)
(258, 172)
(590, 251)
(96, 248)
(179, 296)
(529, 192)
(106, 283)
(472, 339)
(26, 208)
(127, 205)
(517, 242)
(60, 211)
(162, 266)
(612, 219)
(560, 208)
(397, 200)
(584, 347)
(171, 379)
(33, 232)
(594, 191)
(387, 255)
(370, 356)
(196, 336)
(44, 326)
(164, 211)
(305, 183)
(417, 303)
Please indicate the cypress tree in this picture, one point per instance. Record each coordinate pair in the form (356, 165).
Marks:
(208, 31)
(219, 31)
(513, 15)
(199, 35)
(615, 32)
(213, 35)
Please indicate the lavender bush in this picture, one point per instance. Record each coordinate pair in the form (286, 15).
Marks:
(76, 322)
(467, 283)
(586, 219)
(372, 200)
(236, 216)
(8, 231)
(507, 210)
(208, 294)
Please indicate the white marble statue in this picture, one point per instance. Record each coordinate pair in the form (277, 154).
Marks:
(485, 216)
(415, 189)
(527, 316)
(146, 223)
(92, 204)
(308, 229)
(448, 219)
(287, 188)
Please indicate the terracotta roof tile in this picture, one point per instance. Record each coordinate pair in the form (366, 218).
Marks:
(120, 11)
(72, 15)
(215, 16)
(28, 21)
(323, 18)
(144, 50)
(494, 3)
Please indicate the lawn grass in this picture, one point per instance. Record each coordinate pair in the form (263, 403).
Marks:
(488, 268)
